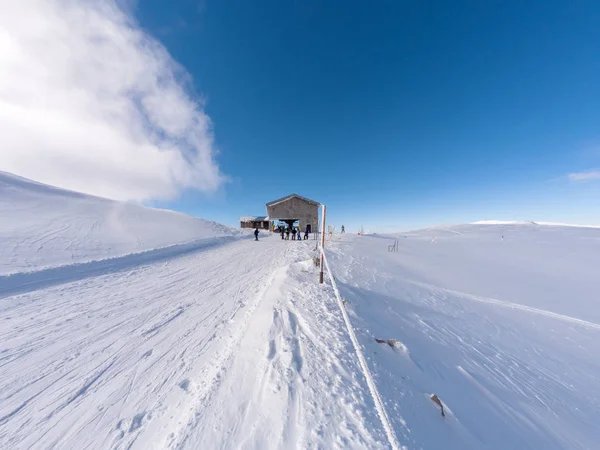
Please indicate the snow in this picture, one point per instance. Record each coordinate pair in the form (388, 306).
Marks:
(92, 361)
(505, 222)
(558, 224)
(45, 227)
(197, 339)
(504, 331)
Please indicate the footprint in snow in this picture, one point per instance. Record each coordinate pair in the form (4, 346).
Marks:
(185, 385)
(137, 421)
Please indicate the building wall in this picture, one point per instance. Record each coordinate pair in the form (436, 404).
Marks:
(262, 225)
(296, 208)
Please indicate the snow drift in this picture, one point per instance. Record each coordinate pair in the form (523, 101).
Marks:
(44, 226)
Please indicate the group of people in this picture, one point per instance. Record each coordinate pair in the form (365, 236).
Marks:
(285, 233)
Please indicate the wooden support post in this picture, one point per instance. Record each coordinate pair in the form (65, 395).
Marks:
(323, 244)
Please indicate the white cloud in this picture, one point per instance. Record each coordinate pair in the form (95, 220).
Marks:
(586, 175)
(90, 102)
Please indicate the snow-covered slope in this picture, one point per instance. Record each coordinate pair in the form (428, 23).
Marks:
(501, 322)
(238, 346)
(549, 267)
(42, 226)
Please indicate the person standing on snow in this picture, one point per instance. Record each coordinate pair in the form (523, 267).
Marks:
(256, 234)
(282, 231)
(293, 234)
(287, 234)
(343, 229)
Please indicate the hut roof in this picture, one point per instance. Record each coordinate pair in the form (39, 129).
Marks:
(254, 218)
(275, 202)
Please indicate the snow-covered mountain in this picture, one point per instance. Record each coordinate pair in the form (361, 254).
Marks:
(44, 226)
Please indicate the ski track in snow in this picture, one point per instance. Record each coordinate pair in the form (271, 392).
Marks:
(290, 385)
(108, 352)
(206, 349)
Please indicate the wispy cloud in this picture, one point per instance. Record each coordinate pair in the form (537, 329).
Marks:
(90, 102)
(587, 175)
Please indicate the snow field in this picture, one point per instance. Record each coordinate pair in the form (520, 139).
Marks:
(509, 375)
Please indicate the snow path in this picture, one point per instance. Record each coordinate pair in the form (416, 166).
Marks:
(89, 363)
(295, 381)
(215, 347)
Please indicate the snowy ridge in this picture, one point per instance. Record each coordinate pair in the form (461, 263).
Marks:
(44, 227)
(551, 224)
(505, 222)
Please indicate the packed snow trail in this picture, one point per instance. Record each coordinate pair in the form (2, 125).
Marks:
(223, 347)
(295, 381)
(91, 362)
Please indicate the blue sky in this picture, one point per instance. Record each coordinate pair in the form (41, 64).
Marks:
(396, 114)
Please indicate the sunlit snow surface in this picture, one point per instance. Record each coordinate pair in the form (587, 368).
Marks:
(43, 226)
(502, 322)
(126, 327)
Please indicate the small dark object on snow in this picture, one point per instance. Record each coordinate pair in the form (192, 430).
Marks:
(435, 399)
(391, 342)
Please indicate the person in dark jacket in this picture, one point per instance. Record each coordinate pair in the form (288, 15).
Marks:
(306, 233)
(282, 232)
(287, 234)
(293, 234)
(256, 234)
